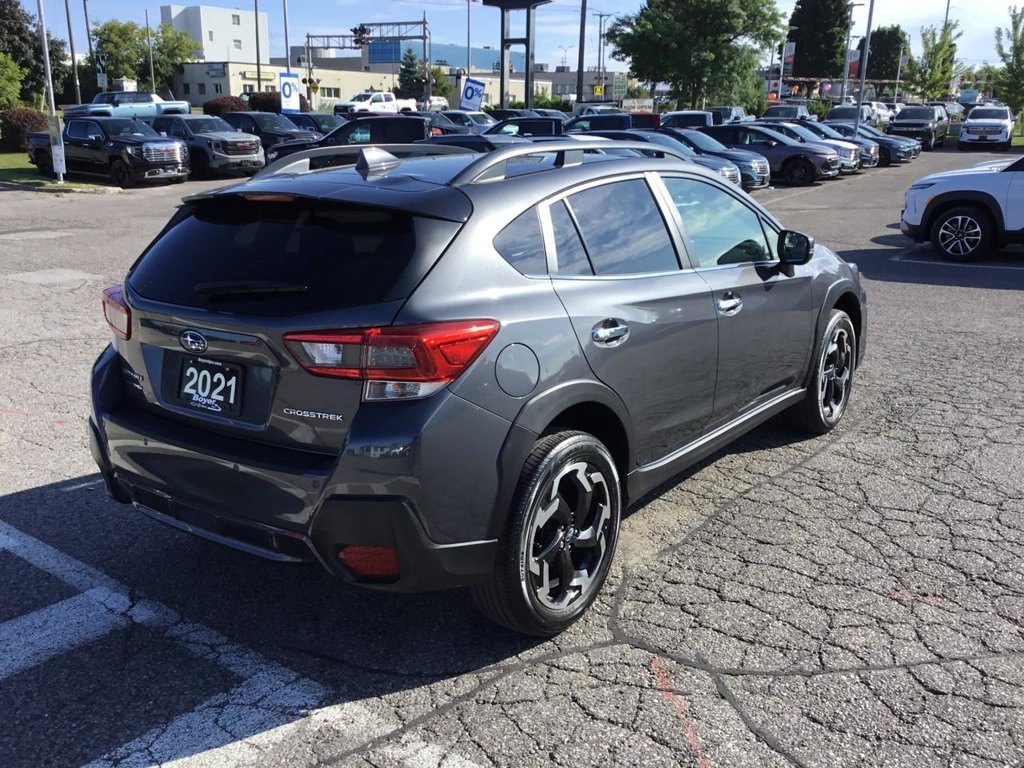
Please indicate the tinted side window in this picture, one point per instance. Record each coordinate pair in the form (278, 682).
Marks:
(623, 230)
(76, 130)
(521, 244)
(569, 253)
(721, 229)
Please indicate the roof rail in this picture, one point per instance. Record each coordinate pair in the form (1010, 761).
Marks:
(321, 157)
(493, 166)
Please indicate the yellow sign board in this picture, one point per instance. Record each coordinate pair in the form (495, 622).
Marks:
(314, 87)
(599, 90)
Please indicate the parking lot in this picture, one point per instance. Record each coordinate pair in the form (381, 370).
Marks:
(850, 600)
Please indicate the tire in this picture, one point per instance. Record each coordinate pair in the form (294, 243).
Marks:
(200, 166)
(834, 361)
(545, 534)
(179, 180)
(884, 157)
(120, 175)
(44, 164)
(798, 171)
(963, 233)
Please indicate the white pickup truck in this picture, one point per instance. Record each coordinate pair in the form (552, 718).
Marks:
(375, 101)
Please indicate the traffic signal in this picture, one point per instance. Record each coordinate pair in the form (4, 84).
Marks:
(360, 35)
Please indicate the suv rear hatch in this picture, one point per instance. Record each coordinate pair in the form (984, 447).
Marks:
(226, 303)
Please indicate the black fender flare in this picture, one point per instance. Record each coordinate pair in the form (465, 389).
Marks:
(840, 287)
(531, 421)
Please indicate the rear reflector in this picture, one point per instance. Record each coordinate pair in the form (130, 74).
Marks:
(371, 563)
(398, 362)
(116, 312)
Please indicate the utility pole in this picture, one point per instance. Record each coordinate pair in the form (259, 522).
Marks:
(259, 81)
(149, 44)
(846, 60)
(88, 29)
(49, 78)
(601, 16)
(864, 67)
(74, 61)
(469, 49)
(287, 48)
(583, 43)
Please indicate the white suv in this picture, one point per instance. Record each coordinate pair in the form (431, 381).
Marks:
(989, 126)
(967, 213)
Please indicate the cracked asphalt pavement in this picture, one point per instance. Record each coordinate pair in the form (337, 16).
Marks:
(850, 600)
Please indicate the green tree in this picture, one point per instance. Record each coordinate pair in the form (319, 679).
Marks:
(820, 36)
(739, 83)
(690, 43)
(930, 74)
(410, 77)
(19, 39)
(440, 85)
(11, 76)
(1010, 47)
(887, 45)
(126, 50)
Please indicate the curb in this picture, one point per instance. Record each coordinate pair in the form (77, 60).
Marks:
(56, 189)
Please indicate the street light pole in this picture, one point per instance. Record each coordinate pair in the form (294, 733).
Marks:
(149, 44)
(287, 48)
(846, 60)
(565, 49)
(259, 81)
(583, 43)
(469, 49)
(74, 61)
(88, 31)
(864, 67)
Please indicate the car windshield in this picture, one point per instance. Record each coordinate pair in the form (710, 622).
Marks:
(779, 137)
(668, 141)
(916, 113)
(482, 118)
(116, 128)
(362, 97)
(803, 133)
(988, 114)
(271, 122)
(842, 112)
(326, 123)
(209, 125)
(438, 119)
(703, 142)
(782, 111)
(824, 130)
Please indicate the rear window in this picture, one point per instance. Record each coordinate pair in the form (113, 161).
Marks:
(279, 258)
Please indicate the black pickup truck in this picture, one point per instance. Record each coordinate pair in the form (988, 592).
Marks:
(125, 150)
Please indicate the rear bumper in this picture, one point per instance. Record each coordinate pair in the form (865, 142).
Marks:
(294, 506)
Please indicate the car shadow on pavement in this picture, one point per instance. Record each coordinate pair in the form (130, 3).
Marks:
(348, 643)
(899, 260)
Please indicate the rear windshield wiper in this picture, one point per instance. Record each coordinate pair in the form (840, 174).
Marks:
(241, 288)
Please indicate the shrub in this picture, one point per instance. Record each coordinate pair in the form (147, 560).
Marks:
(15, 123)
(223, 104)
(270, 101)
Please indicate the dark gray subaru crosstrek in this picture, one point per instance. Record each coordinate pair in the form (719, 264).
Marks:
(459, 369)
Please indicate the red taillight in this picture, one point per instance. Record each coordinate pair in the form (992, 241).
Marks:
(436, 132)
(116, 312)
(397, 362)
(371, 563)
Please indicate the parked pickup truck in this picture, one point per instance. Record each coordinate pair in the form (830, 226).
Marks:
(125, 150)
(375, 101)
(144, 106)
(214, 146)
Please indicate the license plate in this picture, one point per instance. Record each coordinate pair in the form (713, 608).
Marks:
(210, 385)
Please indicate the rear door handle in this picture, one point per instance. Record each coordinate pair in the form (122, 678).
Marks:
(729, 304)
(609, 332)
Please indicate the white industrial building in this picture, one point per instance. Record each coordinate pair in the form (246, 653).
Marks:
(224, 34)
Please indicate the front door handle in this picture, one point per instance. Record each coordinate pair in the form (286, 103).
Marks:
(729, 304)
(609, 332)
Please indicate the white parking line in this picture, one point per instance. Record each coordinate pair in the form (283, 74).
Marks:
(54, 630)
(905, 258)
(271, 709)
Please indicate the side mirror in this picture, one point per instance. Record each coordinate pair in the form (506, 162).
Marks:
(163, 133)
(795, 247)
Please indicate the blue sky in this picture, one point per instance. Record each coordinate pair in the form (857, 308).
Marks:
(557, 22)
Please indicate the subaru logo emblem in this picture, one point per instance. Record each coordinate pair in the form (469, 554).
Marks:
(193, 341)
